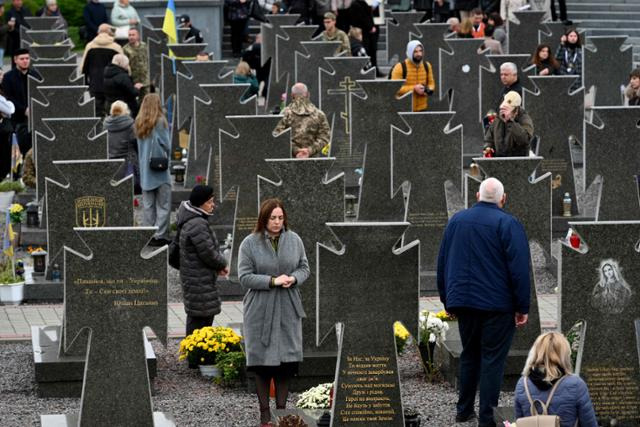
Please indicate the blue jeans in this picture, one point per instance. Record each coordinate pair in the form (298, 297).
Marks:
(486, 338)
(156, 208)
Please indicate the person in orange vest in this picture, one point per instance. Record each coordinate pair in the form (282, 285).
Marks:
(478, 26)
(417, 74)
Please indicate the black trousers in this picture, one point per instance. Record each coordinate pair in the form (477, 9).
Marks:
(237, 35)
(194, 323)
(563, 10)
(486, 338)
(99, 103)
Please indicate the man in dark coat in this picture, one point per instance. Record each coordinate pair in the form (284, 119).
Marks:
(118, 84)
(511, 132)
(97, 55)
(483, 278)
(15, 19)
(14, 86)
(94, 15)
(510, 81)
(200, 259)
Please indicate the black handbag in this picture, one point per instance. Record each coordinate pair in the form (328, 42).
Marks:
(158, 163)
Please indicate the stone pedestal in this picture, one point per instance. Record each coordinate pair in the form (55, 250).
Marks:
(62, 376)
(160, 419)
(316, 368)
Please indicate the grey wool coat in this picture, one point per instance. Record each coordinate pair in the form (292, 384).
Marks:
(272, 320)
(200, 261)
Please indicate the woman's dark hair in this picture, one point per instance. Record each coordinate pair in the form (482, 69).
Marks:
(573, 30)
(635, 73)
(538, 62)
(497, 19)
(489, 30)
(266, 207)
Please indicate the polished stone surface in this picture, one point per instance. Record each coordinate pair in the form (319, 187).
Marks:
(524, 37)
(606, 66)
(59, 102)
(366, 286)
(599, 286)
(308, 65)
(400, 27)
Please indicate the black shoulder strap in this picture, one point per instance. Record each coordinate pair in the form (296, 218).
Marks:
(426, 70)
(404, 70)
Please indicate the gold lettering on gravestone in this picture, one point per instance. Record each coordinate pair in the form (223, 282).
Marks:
(614, 392)
(91, 211)
(428, 219)
(557, 167)
(366, 390)
(246, 223)
(120, 292)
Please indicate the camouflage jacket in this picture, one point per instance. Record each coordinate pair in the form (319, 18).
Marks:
(309, 126)
(138, 62)
(338, 36)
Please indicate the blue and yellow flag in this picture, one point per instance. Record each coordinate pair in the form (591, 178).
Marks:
(169, 23)
(9, 236)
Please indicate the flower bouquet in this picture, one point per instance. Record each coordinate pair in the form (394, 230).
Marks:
(433, 331)
(402, 336)
(318, 397)
(204, 346)
(16, 213)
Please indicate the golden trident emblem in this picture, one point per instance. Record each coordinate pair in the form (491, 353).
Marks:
(90, 211)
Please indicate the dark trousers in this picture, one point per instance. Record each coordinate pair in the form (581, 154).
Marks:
(237, 35)
(194, 323)
(486, 338)
(99, 103)
(563, 10)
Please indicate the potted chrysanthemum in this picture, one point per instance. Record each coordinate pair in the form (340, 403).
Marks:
(205, 346)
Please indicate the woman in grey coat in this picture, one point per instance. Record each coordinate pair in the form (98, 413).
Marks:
(200, 259)
(271, 265)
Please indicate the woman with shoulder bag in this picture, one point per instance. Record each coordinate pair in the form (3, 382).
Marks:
(547, 379)
(152, 133)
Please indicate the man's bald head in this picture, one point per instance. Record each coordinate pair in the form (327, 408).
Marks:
(491, 191)
(299, 90)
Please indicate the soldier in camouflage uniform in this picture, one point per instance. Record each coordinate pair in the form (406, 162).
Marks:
(334, 34)
(138, 55)
(310, 131)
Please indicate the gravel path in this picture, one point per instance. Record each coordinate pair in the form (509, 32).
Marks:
(194, 401)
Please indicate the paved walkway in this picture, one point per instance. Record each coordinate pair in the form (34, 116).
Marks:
(16, 321)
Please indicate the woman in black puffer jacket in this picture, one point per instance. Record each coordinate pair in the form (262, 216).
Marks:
(200, 259)
(118, 84)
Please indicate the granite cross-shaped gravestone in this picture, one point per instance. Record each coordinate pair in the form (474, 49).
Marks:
(427, 157)
(87, 197)
(371, 134)
(312, 199)
(61, 102)
(385, 283)
(156, 44)
(155, 21)
(50, 75)
(528, 199)
(74, 139)
(307, 67)
(460, 71)
(552, 38)
(612, 153)
(115, 290)
(432, 38)
(599, 286)
(52, 54)
(188, 86)
(336, 86)
(242, 160)
(525, 36)
(42, 23)
(606, 66)
(209, 118)
(47, 37)
(171, 66)
(400, 27)
(558, 116)
(491, 86)
(530, 202)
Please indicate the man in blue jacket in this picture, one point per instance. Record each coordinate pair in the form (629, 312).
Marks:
(483, 278)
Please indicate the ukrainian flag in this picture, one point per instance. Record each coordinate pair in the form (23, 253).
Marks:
(169, 23)
(9, 236)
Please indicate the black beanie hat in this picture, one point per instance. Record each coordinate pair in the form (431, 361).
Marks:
(200, 195)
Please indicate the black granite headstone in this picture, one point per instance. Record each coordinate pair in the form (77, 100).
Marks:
(557, 116)
(552, 37)
(460, 71)
(427, 157)
(74, 139)
(612, 153)
(367, 285)
(400, 27)
(156, 43)
(171, 66)
(52, 54)
(599, 286)
(209, 119)
(51, 75)
(311, 199)
(61, 102)
(115, 304)
(372, 117)
(606, 66)
(88, 197)
(524, 37)
(43, 23)
(46, 37)
(242, 159)
(307, 66)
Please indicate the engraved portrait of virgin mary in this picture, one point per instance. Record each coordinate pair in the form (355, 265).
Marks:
(612, 293)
